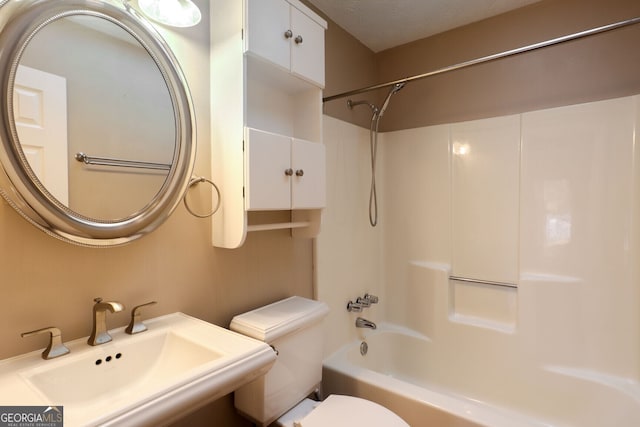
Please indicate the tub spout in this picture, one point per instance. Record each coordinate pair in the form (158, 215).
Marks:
(364, 323)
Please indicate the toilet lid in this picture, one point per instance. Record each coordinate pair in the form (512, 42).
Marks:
(344, 411)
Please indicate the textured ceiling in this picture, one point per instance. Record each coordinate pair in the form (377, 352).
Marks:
(383, 24)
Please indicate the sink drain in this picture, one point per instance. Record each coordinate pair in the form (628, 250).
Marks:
(364, 347)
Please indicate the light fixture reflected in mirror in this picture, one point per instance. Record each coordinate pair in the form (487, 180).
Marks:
(175, 13)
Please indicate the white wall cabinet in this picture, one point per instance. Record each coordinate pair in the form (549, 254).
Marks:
(283, 172)
(266, 116)
(286, 36)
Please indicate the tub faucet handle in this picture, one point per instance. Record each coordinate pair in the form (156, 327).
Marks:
(371, 298)
(364, 302)
(354, 306)
(136, 325)
(55, 348)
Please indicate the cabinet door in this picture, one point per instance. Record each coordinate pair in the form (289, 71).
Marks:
(308, 190)
(307, 52)
(267, 21)
(268, 157)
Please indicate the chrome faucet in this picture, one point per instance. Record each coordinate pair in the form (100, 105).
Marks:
(99, 334)
(364, 323)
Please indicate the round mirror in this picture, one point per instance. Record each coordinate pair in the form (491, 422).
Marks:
(97, 125)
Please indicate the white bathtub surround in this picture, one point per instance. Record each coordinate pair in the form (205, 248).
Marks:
(548, 201)
(580, 219)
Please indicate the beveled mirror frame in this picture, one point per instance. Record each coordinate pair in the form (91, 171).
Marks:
(19, 23)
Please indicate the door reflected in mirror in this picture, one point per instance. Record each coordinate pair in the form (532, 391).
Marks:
(104, 97)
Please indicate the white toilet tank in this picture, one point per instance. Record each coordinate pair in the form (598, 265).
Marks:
(293, 327)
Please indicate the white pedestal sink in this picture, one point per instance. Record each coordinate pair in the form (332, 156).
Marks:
(151, 378)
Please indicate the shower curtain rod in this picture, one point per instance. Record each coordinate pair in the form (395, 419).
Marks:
(493, 57)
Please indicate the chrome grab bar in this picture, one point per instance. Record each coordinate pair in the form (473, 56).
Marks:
(104, 161)
(483, 282)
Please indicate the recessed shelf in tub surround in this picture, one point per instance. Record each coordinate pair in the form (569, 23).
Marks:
(483, 305)
(485, 231)
(447, 298)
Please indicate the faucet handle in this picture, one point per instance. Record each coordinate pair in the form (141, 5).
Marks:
(354, 306)
(55, 348)
(364, 302)
(136, 325)
(371, 298)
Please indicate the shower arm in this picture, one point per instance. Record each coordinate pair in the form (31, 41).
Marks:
(375, 110)
(505, 54)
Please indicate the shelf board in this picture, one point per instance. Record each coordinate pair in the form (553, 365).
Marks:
(278, 226)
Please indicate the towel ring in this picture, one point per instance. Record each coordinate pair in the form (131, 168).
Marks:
(198, 180)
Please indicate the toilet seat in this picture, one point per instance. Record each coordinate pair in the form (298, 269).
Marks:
(345, 411)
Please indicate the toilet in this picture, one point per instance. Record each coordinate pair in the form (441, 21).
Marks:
(293, 327)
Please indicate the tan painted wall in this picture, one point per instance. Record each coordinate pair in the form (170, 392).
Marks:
(349, 65)
(600, 67)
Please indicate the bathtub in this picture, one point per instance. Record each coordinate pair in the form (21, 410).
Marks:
(424, 385)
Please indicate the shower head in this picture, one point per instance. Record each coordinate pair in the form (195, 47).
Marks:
(394, 89)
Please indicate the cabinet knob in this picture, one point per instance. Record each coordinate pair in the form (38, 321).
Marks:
(300, 172)
(298, 39)
(288, 172)
(288, 34)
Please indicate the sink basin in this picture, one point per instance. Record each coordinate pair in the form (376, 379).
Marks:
(152, 378)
